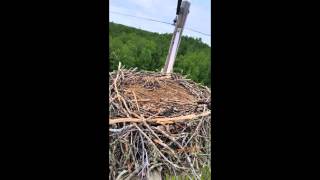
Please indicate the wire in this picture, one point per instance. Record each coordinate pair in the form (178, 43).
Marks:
(141, 17)
(197, 31)
(149, 19)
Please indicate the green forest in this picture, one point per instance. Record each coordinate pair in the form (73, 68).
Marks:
(148, 51)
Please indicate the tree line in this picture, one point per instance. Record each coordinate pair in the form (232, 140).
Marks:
(148, 51)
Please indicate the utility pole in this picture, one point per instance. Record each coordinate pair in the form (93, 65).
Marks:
(182, 13)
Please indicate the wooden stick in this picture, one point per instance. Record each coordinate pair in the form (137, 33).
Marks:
(160, 120)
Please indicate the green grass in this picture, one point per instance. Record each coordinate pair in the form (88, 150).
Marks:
(206, 174)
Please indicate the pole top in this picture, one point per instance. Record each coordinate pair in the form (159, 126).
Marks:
(184, 11)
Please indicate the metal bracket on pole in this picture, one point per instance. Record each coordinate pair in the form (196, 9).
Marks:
(176, 37)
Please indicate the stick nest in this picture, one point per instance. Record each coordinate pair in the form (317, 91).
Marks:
(157, 122)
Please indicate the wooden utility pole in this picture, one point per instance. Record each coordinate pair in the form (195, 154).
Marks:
(181, 18)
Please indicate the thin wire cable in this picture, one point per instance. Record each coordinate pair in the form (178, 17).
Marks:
(149, 19)
(141, 17)
(197, 31)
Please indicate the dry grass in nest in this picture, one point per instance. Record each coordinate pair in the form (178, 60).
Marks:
(157, 122)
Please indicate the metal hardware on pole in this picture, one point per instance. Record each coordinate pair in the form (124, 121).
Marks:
(177, 34)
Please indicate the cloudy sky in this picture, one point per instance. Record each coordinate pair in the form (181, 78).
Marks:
(199, 17)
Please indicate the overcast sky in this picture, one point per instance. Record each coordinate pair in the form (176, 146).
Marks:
(199, 17)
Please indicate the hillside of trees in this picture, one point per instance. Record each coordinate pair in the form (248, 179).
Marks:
(148, 51)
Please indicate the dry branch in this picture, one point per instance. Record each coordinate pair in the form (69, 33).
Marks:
(160, 120)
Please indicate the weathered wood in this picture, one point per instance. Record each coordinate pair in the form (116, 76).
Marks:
(160, 120)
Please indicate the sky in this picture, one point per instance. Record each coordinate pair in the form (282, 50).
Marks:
(199, 17)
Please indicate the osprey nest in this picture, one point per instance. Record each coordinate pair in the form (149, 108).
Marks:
(157, 122)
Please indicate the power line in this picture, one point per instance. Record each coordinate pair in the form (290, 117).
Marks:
(141, 17)
(198, 32)
(149, 19)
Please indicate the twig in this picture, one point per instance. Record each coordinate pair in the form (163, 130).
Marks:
(160, 120)
(171, 101)
(164, 157)
(121, 129)
(121, 174)
(179, 145)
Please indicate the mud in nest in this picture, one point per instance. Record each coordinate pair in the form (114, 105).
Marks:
(157, 122)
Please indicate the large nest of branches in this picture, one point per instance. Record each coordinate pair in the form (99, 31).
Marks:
(157, 122)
